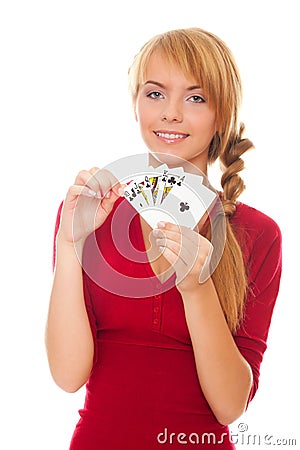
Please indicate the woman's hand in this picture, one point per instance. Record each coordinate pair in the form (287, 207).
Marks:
(88, 203)
(187, 251)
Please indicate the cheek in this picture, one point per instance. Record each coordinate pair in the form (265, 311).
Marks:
(143, 117)
(140, 112)
(209, 122)
(204, 125)
(145, 112)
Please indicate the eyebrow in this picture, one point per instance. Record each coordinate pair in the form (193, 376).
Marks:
(157, 83)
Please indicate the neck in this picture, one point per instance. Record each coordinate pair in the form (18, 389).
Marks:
(197, 165)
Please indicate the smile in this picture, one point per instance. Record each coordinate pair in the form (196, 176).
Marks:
(170, 137)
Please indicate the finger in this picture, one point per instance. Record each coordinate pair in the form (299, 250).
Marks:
(94, 170)
(174, 229)
(196, 239)
(103, 182)
(77, 190)
(189, 242)
(98, 176)
(161, 225)
(99, 181)
(188, 238)
(171, 256)
(173, 235)
(177, 263)
(177, 248)
(85, 178)
(108, 183)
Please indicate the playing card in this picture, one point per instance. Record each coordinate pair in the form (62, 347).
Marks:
(165, 182)
(193, 181)
(182, 206)
(145, 184)
(172, 179)
(175, 177)
(168, 194)
(158, 179)
(146, 187)
(186, 206)
(176, 211)
(142, 183)
(135, 196)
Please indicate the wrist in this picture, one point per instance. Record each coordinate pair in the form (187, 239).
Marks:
(199, 292)
(64, 246)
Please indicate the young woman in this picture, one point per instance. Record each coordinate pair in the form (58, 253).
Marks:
(176, 366)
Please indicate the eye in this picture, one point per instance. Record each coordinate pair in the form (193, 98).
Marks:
(155, 95)
(196, 99)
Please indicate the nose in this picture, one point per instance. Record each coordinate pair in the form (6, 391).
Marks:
(172, 112)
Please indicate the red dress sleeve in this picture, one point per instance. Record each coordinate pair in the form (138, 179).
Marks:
(57, 223)
(87, 297)
(264, 263)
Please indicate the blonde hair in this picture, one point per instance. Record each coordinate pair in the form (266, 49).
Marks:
(205, 57)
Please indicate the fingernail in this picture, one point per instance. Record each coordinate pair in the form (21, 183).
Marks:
(107, 195)
(161, 224)
(156, 232)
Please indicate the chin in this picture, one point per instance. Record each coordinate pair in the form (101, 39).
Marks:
(171, 159)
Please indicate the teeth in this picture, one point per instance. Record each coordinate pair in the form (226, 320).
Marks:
(170, 136)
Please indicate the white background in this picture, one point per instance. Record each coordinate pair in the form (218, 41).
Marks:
(64, 107)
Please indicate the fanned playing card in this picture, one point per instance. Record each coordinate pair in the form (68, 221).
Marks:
(168, 194)
(136, 196)
(185, 206)
(166, 182)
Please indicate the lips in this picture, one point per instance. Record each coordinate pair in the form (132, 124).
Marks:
(171, 136)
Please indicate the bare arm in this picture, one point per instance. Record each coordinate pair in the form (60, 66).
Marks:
(224, 375)
(69, 339)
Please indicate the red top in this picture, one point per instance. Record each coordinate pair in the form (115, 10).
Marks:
(143, 392)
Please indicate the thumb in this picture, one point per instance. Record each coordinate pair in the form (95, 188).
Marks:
(111, 196)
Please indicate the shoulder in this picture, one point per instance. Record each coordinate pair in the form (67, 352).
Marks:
(255, 223)
(258, 234)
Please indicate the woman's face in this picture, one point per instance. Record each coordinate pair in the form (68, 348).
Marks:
(173, 113)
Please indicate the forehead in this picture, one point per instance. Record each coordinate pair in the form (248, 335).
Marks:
(162, 68)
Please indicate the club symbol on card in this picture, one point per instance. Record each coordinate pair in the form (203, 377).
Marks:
(164, 178)
(183, 207)
(172, 180)
(132, 194)
(148, 183)
(180, 181)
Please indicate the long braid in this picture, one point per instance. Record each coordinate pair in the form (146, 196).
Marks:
(232, 164)
(230, 277)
